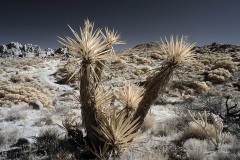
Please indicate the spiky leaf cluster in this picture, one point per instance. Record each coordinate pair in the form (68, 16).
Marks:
(103, 99)
(130, 95)
(91, 46)
(118, 130)
(179, 52)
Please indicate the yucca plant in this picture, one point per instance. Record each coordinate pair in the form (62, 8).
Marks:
(118, 131)
(103, 99)
(92, 48)
(129, 95)
(111, 38)
(179, 53)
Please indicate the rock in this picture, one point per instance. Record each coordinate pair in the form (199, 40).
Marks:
(3, 48)
(29, 54)
(15, 52)
(61, 50)
(30, 50)
(21, 142)
(215, 47)
(36, 104)
(49, 52)
(14, 45)
(219, 75)
(42, 54)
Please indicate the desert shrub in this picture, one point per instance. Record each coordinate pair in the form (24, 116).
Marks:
(10, 137)
(195, 149)
(219, 75)
(26, 91)
(231, 139)
(148, 123)
(154, 154)
(2, 139)
(226, 64)
(175, 124)
(200, 87)
(18, 78)
(224, 156)
(47, 142)
(14, 115)
(215, 135)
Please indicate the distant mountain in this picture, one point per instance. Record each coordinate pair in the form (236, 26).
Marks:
(15, 49)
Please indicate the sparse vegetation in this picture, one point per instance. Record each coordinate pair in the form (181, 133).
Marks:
(124, 101)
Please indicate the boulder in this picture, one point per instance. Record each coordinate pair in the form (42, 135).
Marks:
(14, 45)
(3, 48)
(42, 54)
(31, 50)
(15, 52)
(49, 52)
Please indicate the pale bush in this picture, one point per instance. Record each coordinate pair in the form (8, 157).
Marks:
(225, 156)
(226, 64)
(146, 68)
(148, 123)
(154, 154)
(171, 125)
(26, 90)
(230, 138)
(200, 87)
(197, 130)
(219, 75)
(195, 149)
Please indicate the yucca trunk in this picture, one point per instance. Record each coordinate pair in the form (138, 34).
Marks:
(88, 107)
(156, 86)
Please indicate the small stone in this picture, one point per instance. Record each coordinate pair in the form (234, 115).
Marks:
(21, 142)
(36, 104)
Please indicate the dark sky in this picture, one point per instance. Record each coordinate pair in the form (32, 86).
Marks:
(41, 21)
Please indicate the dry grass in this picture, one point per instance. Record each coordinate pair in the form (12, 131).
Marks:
(22, 88)
(148, 123)
(196, 149)
(154, 154)
(19, 62)
(9, 138)
(14, 115)
(175, 124)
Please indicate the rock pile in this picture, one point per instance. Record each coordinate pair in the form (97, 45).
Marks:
(15, 49)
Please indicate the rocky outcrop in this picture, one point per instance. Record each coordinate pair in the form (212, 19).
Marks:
(148, 46)
(215, 47)
(15, 49)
